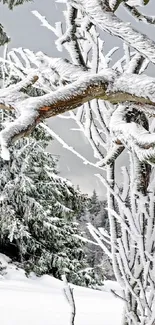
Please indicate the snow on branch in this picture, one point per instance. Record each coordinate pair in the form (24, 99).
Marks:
(134, 136)
(44, 22)
(28, 81)
(69, 148)
(51, 71)
(66, 146)
(32, 110)
(70, 37)
(138, 15)
(124, 207)
(112, 154)
(99, 237)
(107, 85)
(100, 15)
(68, 291)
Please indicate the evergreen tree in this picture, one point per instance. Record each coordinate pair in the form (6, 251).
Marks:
(82, 204)
(94, 206)
(95, 212)
(36, 214)
(13, 3)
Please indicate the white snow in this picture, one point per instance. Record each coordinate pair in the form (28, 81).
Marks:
(41, 301)
(135, 2)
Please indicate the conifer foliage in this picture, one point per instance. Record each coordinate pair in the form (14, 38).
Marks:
(12, 3)
(36, 213)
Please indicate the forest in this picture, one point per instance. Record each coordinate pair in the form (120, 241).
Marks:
(47, 225)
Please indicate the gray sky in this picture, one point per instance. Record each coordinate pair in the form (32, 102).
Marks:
(25, 31)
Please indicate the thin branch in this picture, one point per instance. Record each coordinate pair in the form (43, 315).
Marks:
(93, 231)
(117, 295)
(126, 210)
(71, 38)
(68, 291)
(138, 15)
(113, 153)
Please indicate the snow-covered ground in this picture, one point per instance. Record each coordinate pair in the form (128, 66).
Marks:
(40, 301)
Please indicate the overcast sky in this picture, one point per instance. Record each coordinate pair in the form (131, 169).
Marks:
(25, 31)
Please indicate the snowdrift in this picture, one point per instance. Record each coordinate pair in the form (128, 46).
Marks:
(40, 301)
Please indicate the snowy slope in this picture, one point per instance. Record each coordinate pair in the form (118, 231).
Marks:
(40, 301)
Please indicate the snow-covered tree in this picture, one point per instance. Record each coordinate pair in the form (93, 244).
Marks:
(116, 105)
(36, 213)
(95, 212)
(81, 206)
(94, 206)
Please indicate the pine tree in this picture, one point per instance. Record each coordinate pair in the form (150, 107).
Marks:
(13, 3)
(82, 204)
(36, 214)
(94, 206)
(95, 212)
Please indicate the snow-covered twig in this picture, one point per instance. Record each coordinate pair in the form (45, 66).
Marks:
(96, 236)
(68, 291)
(117, 295)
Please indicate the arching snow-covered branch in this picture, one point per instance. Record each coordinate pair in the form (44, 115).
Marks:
(107, 85)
